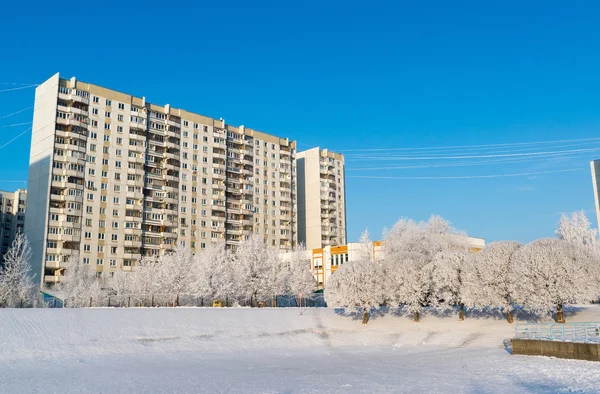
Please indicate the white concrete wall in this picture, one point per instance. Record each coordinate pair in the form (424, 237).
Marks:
(309, 198)
(40, 169)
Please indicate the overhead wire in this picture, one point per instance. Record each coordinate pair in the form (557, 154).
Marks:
(15, 113)
(465, 176)
(15, 138)
(15, 124)
(467, 146)
(19, 88)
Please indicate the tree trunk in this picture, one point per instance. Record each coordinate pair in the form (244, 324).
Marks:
(416, 318)
(509, 316)
(461, 314)
(560, 318)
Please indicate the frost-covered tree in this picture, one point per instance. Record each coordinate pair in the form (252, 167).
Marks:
(446, 275)
(16, 286)
(486, 277)
(120, 282)
(357, 283)
(213, 273)
(252, 262)
(301, 278)
(144, 277)
(553, 272)
(79, 284)
(578, 229)
(175, 274)
(409, 250)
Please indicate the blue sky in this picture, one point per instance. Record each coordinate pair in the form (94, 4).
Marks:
(351, 76)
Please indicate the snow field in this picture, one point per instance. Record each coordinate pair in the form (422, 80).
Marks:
(56, 333)
(242, 350)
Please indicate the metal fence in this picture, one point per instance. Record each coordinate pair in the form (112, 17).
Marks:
(585, 332)
(184, 300)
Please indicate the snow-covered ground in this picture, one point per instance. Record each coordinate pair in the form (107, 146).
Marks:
(167, 350)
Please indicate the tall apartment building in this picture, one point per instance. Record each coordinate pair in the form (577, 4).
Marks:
(113, 177)
(12, 218)
(321, 198)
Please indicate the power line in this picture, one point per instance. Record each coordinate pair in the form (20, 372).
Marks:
(15, 138)
(18, 112)
(16, 124)
(466, 176)
(17, 84)
(465, 146)
(19, 88)
(404, 158)
(464, 164)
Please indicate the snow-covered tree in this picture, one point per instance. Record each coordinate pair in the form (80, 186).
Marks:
(121, 283)
(16, 286)
(409, 249)
(301, 278)
(213, 273)
(486, 277)
(175, 274)
(144, 277)
(79, 284)
(252, 262)
(578, 229)
(357, 283)
(446, 275)
(553, 272)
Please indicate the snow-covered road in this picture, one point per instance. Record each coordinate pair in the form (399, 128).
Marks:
(270, 351)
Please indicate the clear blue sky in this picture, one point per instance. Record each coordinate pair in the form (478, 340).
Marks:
(349, 76)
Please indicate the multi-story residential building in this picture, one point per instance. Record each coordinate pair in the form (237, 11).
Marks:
(113, 177)
(321, 198)
(12, 218)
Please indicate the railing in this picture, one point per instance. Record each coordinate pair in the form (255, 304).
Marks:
(586, 332)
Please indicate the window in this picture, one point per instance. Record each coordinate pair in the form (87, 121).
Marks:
(121, 106)
(108, 103)
(99, 262)
(120, 117)
(106, 127)
(96, 99)
(94, 111)
(107, 114)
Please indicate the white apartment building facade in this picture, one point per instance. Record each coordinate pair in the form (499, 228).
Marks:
(321, 198)
(113, 178)
(12, 218)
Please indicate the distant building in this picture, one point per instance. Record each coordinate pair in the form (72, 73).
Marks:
(325, 261)
(321, 198)
(12, 218)
(595, 166)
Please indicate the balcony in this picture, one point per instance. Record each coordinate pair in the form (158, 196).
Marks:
(52, 264)
(136, 125)
(51, 278)
(132, 244)
(170, 155)
(132, 256)
(72, 96)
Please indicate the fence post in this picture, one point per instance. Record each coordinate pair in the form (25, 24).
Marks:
(90, 302)
(226, 301)
(152, 300)
(109, 302)
(21, 303)
(128, 301)
(177, 300)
